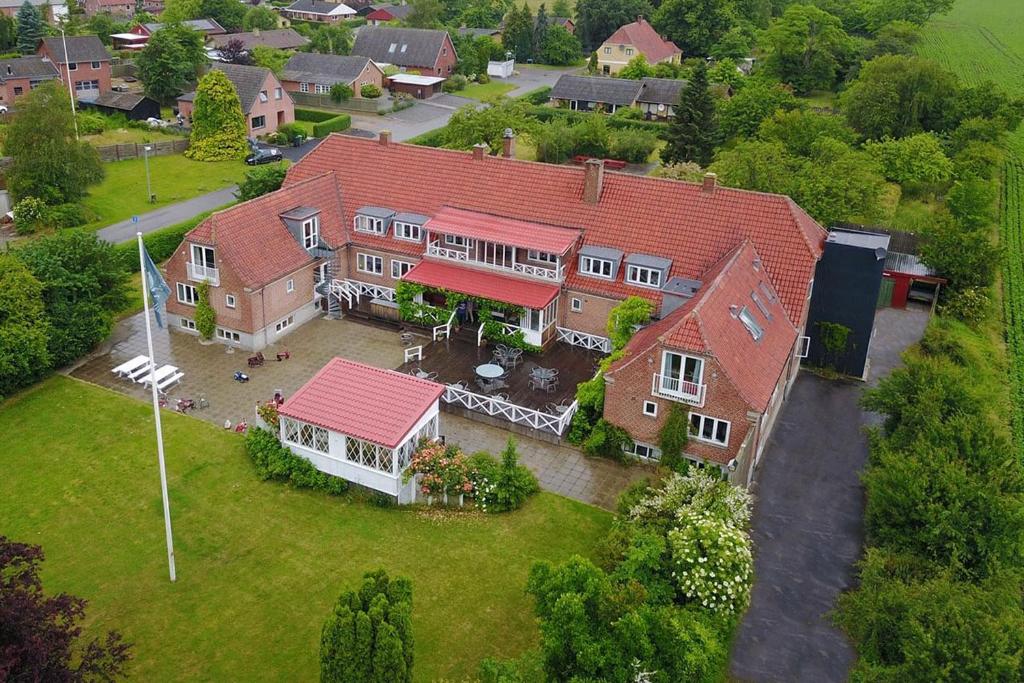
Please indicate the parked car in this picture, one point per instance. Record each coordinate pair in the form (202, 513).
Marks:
(157, 123)
(264, 156)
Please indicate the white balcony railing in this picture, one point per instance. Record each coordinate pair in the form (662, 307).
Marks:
(548, 274)
(200, 273)
(677, 389)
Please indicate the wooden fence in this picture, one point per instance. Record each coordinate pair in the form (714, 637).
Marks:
(133, 150)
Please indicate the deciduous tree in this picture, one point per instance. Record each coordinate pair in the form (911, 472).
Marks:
(218, 124)
(170, 62)
(561, 48)
(807, 48)
(425, 14)
(693, 25)
(234, 52)
(636, 69)
(598, 19)
(260, 18)
(270, 58)
(741, 115)
(913, 159)
(693, 131)
(332, 39)
(24, 330)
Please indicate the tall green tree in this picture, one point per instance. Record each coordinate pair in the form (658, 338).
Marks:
(807, 48)
(332, 39)
(48, 162)
(913, 159)
(368, 637)
(8, 33)
(259, 18)
(742, 114)
(693, 25)
(598, 19)
(228, 13)
(30, 28)
(84, 286)
(540, 30)
(425, 14)
(218, 124)
(636, 68)
(270, 58)
(170, 62)
(518, 34)
(561, 48)
(693, 131)
(24, 327)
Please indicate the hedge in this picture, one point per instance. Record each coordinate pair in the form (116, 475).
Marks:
(432, 138)
(545, 114)
(332, 125)
(540, 95)
(161, 243)
(314, 115)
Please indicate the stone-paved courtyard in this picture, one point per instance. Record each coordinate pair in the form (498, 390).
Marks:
(209, 370)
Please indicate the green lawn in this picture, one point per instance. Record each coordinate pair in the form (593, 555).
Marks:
(120, 136)
(259, 564)
(478, 91)
(122, 193)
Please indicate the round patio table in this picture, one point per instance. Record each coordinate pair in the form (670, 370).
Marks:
(490, 370)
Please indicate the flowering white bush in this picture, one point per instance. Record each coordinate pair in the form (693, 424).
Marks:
(697, 491)
(712, 562)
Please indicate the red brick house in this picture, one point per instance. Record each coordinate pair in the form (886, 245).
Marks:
(427, 51)
(86, 64)
(11, 7)
(21, 74)
(728, 272)
(265, 103)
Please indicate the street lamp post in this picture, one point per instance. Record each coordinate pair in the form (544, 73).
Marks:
(145, 160)
(67, 70)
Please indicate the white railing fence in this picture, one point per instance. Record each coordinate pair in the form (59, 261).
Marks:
(341, 289)
(496, 407)
(587, 341)
(371, 290)
(198, 273)
(551, 274)
(678, 389)
(444, 331)
(480, 335)
(451, 254)
(541, 272)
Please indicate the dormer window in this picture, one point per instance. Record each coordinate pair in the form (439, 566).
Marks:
(409, 226)
(596, 267)
(311, 232)
(750, 322)
(643, 276)
(370, 224)
(456, 241)
(373, 220)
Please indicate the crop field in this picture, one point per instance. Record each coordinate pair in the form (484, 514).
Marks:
(984, 41)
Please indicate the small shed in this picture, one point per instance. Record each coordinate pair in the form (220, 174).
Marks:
(905, 276)
(135, 106)
(362, 423)
(501, 69)
(420, 87)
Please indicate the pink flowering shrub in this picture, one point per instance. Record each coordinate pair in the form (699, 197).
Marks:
(442, 469)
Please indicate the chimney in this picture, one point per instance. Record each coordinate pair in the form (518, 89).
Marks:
(508, 143)
(593, 179)
(385, 138)
(710, 181)
(479, 150)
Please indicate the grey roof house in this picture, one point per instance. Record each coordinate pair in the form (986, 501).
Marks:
(279, 38)
(208, 27)
(585, 93)
(31, 67)
(325, 70)
(80, 49)
(265, 102)
(416, 48)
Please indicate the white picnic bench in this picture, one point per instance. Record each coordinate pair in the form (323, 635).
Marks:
(140, 372)
(128, 367)
(161, 373)
(162, 385)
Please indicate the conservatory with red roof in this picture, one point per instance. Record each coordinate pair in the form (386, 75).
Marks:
(335, 421)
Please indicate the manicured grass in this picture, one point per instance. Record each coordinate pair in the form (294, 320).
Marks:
(120, 136)
(122, 193)
(482, 91)
(259, 564)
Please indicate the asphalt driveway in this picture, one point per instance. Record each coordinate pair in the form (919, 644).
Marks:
(808, 527)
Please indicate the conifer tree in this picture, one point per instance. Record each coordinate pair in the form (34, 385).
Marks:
(692, 133)
(30, 28)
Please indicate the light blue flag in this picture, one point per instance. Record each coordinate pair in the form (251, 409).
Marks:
(157, 286)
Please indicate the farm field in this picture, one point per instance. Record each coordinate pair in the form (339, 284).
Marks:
(259, 564)
(984, 41)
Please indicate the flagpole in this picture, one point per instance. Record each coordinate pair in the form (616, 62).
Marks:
(156, 412)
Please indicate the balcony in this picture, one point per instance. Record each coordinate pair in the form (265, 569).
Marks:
(676, 389)
(463, 255)
(201, 273)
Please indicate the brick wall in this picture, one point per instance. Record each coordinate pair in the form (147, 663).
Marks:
(385, 278)
(276, 112)
(592, 319)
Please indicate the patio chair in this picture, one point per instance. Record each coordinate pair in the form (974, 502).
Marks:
(552, 385)
(500, 397)
(498, 384)
(557, 408)
(500, 358)
(460, 385)
(538, 383)
(501, 348)
(483, 384)
(514, 357)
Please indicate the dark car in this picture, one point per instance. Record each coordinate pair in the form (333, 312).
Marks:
(264, 156)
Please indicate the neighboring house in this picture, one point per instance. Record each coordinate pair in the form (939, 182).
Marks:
(333, 422)
(135, 106)
(589, 93)
(565, 22)
(49, 9)
(120, 8)
(21, 74)
(631, 40)
(658, 97)
(419, 86)
(86, 64)
(382, 14)
(428, 51)
(264, 101)
(308, 72)
(728, 272)
(279, 38)
(318, 11)
(208, 27)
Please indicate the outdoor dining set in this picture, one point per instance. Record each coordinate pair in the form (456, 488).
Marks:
(141, 371)
(494, 375)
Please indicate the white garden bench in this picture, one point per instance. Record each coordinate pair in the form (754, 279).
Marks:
(166, 382)
(128, 367)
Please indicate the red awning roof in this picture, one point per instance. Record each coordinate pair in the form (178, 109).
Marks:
(485, 226)
(365, 402)
(485, 285)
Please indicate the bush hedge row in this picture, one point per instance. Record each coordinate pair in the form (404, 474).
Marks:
(160, 244)
(545, 114)
(332, 125)
(275, 461)
(314, 115)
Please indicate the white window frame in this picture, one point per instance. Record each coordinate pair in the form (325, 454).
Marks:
(187, 324)
(410, 232)
(303, 87)
(698, 376)
(364, 260)
(202, 251)
(369, 224)
(95, 65)
(576, 304)
(587, 264)
(650, 408)
(278, 93)
(72, 66)
(698, 431)
(183, 294)
(229, 300)
(284, 324)
(289, 286)
(400, 268)
(305, 435)
(264, 97)
(228, 335)
(321, 89)
(456, 241)
(642, 450)
(629, 51)
(311, 232)
(643, 276)
(262, 119)
(541, 256)
(607, 50)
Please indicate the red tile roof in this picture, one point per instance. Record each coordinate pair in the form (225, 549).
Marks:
(480, 283)
(359, 400)
(644, 38)
(484, 226)
(252, 239)
(677, 220)
(706, 325)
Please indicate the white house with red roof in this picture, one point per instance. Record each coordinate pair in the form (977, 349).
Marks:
(335, 421)
(728, 272)
(632, 40)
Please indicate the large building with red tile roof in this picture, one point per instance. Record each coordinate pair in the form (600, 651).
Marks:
(728, 272)
(633, 40)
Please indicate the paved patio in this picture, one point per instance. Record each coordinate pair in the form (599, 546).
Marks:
(209, 370)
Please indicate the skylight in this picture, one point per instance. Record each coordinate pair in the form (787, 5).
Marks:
(391, 50)
(767, 291)
(750, 322)
(761, 306)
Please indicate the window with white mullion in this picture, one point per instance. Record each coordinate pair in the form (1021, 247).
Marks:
(709, 429)
(681, 374)
(596, 267)
(643, 276)
(408, 231)
(369, 224)
(311, 232)
(203, 256)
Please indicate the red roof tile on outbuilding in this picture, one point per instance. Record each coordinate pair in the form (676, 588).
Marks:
(362, 401)
(480, 283)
